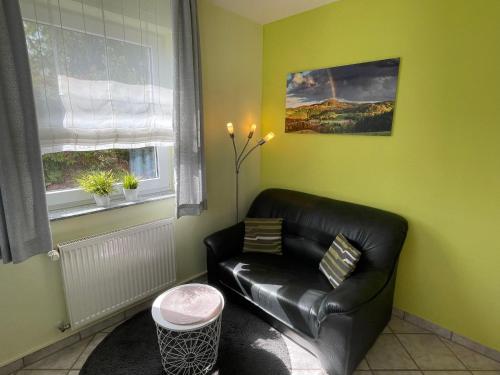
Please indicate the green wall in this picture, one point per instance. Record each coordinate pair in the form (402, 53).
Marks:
(31, 294)
(440, 168)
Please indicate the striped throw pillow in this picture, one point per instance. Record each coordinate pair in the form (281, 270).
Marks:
(339, 261)
(263, 235)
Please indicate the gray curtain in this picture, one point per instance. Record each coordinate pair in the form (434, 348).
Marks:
(188, 114)
(24, 224)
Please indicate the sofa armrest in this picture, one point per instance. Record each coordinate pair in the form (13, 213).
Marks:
(226, 242)
(354, 292)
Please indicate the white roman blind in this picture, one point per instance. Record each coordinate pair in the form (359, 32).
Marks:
(101, 71)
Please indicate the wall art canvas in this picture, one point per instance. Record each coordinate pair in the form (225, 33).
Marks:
(350, 99)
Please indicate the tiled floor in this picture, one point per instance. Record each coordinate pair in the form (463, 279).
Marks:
(403, 349)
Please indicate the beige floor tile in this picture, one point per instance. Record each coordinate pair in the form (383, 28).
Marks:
(397, 372)
(471, 359)
(486, 372)
(11, 368)
(63, 359)
(88, 350)
(388, 354)
(363, 365)
(42, 372)
(300, 358)
(387, 329)
(51, 349)
(74, 372)
(362, 372)
(429, 352)
(111, 329)
(400, 326)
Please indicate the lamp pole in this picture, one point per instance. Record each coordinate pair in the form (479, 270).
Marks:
(240, 157)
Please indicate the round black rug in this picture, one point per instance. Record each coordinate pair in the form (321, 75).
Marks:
(248, 346)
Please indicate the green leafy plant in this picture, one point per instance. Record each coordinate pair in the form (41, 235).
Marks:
(130, 181)
(98, 183)
(62, 169)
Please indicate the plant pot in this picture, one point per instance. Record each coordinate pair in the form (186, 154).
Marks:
(130, 195)
(102, 200)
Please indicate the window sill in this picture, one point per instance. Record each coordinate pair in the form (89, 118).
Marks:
(69, 212)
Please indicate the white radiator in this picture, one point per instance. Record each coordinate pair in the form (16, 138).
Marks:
(108, 272)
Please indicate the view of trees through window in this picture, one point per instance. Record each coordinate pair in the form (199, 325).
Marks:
(59, 57)
(61, 169)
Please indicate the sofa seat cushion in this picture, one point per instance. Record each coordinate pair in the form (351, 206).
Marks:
(282, 286)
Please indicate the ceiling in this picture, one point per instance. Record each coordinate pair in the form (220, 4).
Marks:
(265, 11)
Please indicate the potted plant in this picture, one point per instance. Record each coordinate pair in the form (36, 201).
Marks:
(130, 185)
(100, 185)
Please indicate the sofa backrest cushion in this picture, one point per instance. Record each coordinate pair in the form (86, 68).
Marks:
(263, 235)
(311, 223)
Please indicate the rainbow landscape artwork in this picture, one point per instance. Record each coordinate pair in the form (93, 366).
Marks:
(351, 99)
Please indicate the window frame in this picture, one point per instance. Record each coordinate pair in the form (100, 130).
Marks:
(161, 185)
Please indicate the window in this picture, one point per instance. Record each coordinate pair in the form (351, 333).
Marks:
(62, 169)
(102, 77)
(153, 166)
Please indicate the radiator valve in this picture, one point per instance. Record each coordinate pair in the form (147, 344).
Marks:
(64, 326)
(54, 255)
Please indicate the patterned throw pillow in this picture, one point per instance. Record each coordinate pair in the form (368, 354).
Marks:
(263, 235)
(339, 261)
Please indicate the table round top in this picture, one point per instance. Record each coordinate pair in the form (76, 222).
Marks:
(187, 307)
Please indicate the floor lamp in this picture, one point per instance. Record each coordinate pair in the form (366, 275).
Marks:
(240, 157)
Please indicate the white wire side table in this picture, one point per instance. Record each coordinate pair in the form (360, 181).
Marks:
(188, 323)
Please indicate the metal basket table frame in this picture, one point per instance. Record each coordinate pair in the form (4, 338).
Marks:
(187, 349)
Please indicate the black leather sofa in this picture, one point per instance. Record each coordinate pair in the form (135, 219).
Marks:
(338, 326)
